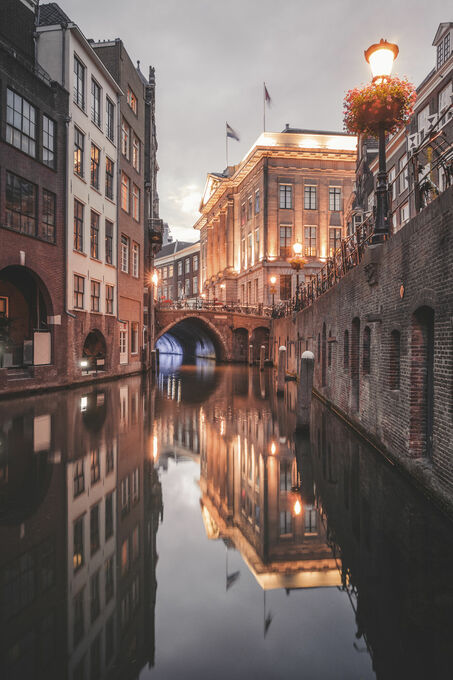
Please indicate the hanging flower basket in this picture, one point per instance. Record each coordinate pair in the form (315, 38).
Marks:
(387, 104)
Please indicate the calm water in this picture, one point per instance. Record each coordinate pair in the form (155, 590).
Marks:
(182, 530)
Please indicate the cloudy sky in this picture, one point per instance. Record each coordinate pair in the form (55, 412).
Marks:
(212, 56)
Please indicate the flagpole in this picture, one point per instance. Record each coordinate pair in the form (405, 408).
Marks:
(226, 143)
(264, 107)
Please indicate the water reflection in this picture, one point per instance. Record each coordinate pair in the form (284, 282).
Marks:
(312, 549)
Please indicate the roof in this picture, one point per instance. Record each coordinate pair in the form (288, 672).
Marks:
(442, 28)
(303, 131)
(51, 14)
(174, 247)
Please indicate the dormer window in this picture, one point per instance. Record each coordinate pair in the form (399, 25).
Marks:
(443, 50)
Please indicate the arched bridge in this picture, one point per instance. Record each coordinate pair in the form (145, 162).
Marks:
(213, 333)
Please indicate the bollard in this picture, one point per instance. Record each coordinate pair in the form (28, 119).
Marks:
(157, 360)
(304, 389)
(250, 355)
(281, 370)
(262, 355)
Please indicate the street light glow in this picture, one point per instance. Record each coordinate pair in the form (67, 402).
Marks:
(297, 248)
(273, 280)
(297, 508)
(381, 57)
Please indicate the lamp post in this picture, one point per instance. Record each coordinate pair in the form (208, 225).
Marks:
(297, 262)
(273, 281)
(222, 288)
(380, 57)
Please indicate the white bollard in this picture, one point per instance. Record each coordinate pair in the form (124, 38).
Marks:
(262, 356)
(281, 370)
(250, 355)
(304, 390)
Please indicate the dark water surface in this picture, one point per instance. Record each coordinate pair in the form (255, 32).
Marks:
(183, 530)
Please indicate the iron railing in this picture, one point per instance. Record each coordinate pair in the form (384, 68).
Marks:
(199, 304)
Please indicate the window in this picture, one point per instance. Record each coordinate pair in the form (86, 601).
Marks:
(108, 242)
(187, 265)
(195, 285)
(422, 121)
(95, 467)
(110, 119)
(286, 195)
(285, 287)
(136, 153)
(445, 98)
(257, 201)
(95, 103)
(95, 604)
(134, 338)
(95, 296)
(394, 357)
(310, 197)
(334, 198)
(124, 254)
(135, 486)
(392, 183)
(195, 263)
(125, 192)
(20, 204)
(310, 241)
(187, 287)
(125, 139)
(94, 235)
(402, 167)
(79, 290)
(443, 50)
(95, 159)
(109, 516)
(78, 553)
(109, 177)
(132, 100)
(79, 627)
(243, 213)
(108, 299)
(257, 244)
(47, 231)
(48, 142)
(334, 240)
(109, 580)
(20, 123)
(170, 270)
(94, 529)
(285, 241)
(285, 475)
(250, 248)
(179, 267)
(79, 83)
(249, 208)
(285, 523)
(123, 343)
(366, 361)
(79, 478)
(346, 350)
(404, 213)
(79, 144)
(135, 202)
(135, 259)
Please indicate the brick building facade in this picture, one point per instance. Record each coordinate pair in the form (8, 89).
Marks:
(33, 322)
(291, 187)
(382, 340)
(178, 268)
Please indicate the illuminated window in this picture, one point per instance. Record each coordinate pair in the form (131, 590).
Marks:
(132, 100)
(310, 241)
(95, 161)
(136, 153)
(109, 177)
(78, 552)
(79, 290)
(286, 196)
(125, 184)
(79, 144)
(334, 240)
(125, 139)
(285, 240)
(109, 299)
(94, 235)
(135, 202)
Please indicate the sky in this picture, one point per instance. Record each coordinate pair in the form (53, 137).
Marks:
(212, 57)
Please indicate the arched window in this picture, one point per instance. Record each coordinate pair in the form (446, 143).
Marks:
(394, 360)
(346, 350)
(366, 348)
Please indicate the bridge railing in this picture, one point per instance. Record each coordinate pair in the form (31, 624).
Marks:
(214, 306)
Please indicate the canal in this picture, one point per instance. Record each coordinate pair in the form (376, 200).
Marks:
(182, 529)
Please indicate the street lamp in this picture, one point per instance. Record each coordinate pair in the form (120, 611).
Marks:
(297, 262)
(273, 281)
(222, 288)
(380, 57)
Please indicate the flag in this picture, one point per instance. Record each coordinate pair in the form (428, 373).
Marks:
(267, 97)
(231, 133)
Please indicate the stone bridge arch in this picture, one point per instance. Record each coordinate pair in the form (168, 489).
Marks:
(182, 324)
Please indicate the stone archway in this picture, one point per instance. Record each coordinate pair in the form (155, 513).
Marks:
(260, 336)
(192, 337)
(94, 351)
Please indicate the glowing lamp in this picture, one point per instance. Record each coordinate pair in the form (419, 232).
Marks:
(155, 278)
(297, 507)
(273, 280)
(84, 363)
(381, 57)
(222, 286)
(297, 248)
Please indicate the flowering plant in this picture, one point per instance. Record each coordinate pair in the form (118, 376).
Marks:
(388, 103)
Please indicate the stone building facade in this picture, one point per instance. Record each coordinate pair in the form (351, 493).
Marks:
(33, 320)
(178, 268)
(291, 187)
(382, 339)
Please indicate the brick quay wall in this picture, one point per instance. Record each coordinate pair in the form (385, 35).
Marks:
(383, 345)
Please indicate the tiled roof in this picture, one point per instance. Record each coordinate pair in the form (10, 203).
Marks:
(52, 14)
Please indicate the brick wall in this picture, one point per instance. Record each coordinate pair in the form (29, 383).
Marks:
(403, 293)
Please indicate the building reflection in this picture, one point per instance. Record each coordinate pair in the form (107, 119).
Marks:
(80, 505)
